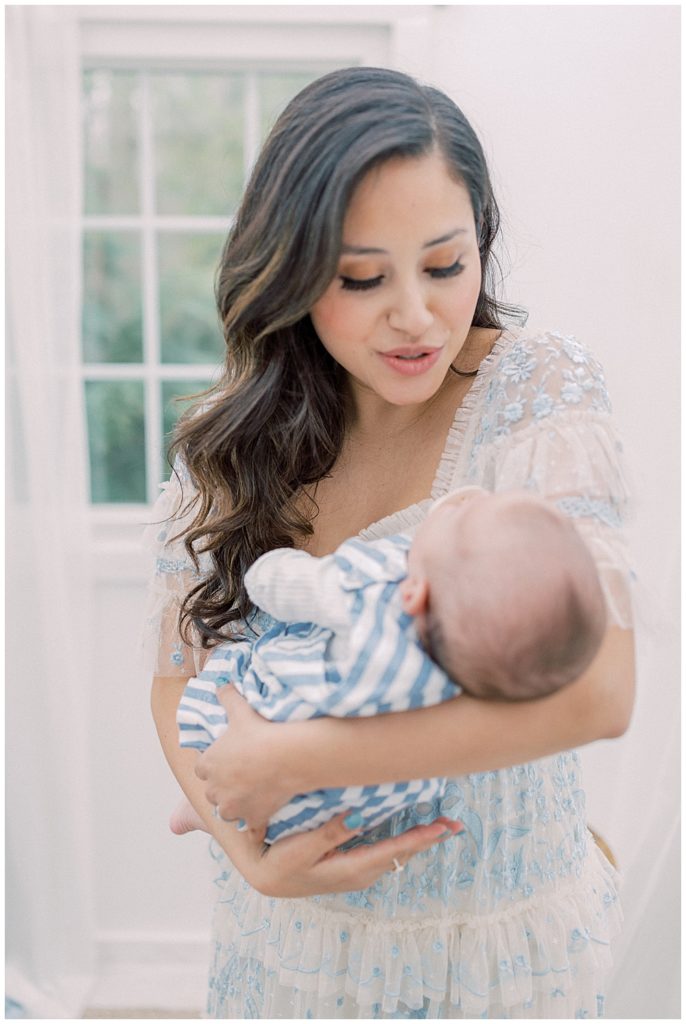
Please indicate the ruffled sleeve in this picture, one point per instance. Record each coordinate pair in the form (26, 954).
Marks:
(546, 426)
(172, 576)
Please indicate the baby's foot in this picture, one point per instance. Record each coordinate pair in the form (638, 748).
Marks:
(185, 819)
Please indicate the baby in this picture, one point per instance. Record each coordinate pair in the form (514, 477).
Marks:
(496, 596)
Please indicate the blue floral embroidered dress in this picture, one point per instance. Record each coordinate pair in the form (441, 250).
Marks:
(513, 918)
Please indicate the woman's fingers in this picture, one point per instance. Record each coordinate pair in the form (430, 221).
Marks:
(334, 833)
(383, 855)
(301, 853)
(257, 833)
(258, 820)
(363, 865)
(231, 699)
(311, 863)
(236, 706)
(243, 774)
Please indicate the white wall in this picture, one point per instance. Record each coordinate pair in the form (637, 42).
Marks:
(153, 890)
(577, 108)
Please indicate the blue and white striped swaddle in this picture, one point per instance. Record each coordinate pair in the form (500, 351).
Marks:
(288, 674)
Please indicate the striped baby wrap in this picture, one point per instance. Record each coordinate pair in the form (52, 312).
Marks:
(298, 670)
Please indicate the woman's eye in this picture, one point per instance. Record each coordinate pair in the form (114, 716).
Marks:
(451, 271)
(357, 284)
(360, 284)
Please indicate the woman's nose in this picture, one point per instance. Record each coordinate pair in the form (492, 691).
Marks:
(409, 312)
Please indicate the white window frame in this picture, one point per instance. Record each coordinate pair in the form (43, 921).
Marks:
(215, 38)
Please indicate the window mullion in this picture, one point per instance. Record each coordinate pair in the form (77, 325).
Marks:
(138, 371)
(121, 222)
(151, 319)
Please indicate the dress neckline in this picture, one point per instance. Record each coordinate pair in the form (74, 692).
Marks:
(410, 516)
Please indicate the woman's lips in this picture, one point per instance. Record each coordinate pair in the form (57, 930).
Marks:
(411, 360)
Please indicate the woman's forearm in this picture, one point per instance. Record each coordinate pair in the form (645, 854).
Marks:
(301, 865)
(466, 735)
(164, 699)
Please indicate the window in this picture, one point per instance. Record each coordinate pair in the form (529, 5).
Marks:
(176, 102)
(166, 154)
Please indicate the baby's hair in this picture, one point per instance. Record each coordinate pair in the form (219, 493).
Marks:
(518, 613)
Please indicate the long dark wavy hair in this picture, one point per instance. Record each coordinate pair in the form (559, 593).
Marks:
(275, 421)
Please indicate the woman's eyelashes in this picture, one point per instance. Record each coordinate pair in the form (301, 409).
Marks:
(363, 284)
(356, 284)
(452, 271)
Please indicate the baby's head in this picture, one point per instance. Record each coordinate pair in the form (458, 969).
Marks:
(506, 594)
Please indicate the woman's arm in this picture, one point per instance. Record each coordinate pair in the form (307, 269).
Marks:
(164, 701)
(302, 865)
(252, 771)
(473, 735)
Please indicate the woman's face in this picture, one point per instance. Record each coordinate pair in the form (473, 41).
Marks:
(401, 305)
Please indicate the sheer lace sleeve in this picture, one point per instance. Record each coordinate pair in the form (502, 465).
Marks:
(172, 576)
(546, 426)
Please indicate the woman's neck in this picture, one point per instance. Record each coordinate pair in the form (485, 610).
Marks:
(372, 418)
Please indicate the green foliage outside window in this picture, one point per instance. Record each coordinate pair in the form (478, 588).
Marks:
(111, 109)
(198, 125)
(189, 324)
(112, 312)
(195, 162)
(116, 427)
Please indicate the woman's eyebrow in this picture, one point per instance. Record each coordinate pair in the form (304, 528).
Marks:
(365, 250)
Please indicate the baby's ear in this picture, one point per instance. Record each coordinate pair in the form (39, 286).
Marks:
(414, 594)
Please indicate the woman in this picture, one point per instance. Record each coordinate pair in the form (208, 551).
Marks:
(368, 372)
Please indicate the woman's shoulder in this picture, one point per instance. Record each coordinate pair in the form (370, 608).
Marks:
(522, 352)
(534, 373)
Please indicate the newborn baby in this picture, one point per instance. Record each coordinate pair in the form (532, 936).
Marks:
(496, 595)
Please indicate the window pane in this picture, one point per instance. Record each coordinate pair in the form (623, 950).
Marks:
(171, 409)
(189, 325)
(116, 440)
(110, 108)
(198, 145)
(112, 315)
(275, 92)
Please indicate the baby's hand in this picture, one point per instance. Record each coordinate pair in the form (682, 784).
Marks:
(246, 769)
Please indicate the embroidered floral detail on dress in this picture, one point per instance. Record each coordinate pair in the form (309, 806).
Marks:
(542, 405)
(579, 506)
(536, 378)
(176, 657)
(172, 565)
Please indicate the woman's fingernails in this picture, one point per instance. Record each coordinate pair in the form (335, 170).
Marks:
(444, 835)
(240, 825)
(353, 820)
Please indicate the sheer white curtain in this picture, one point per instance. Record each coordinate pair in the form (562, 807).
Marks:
(633, 800)
(49, 894)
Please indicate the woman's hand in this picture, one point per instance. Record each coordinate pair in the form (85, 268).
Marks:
(246, 770)
(310, 864)
(259, 766)
(300, 865)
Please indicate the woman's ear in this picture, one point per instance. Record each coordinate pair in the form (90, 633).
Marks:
(414, 594)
